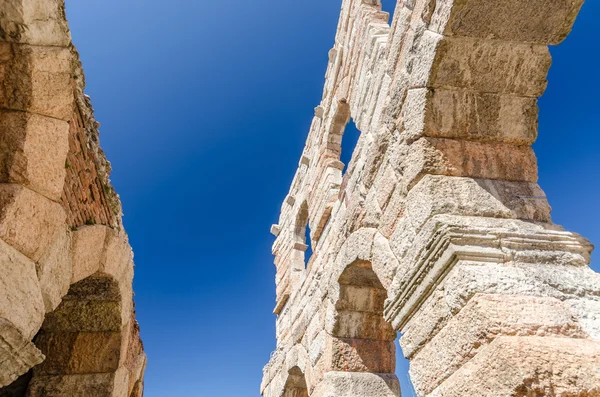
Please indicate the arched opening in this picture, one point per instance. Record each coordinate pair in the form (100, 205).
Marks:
(88, 350)
(302, 240)
(350, 137)
(295, 386)
(364, 341)
(389, 6)
(82, 341)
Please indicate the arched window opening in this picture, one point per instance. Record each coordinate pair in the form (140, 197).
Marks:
(296, 384)
(82, 341)
(389, 6)
(302, 234)
(365, 340)
(350, 137)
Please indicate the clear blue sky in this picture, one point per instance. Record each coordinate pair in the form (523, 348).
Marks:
(205, 107)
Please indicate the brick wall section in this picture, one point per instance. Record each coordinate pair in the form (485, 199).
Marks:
(88, 197)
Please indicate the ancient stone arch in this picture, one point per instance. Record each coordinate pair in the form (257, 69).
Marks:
(67, 322)
(439, 211)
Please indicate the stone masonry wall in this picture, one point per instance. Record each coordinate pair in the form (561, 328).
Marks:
(67, 319)
(437, 230)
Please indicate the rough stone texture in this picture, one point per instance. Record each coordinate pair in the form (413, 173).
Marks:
(67, 324)
(17, 354)
(437, 228)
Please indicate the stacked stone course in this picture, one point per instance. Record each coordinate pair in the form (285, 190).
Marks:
(67, 321)
(438, 229)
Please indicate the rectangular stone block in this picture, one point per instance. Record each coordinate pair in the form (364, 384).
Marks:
(28, 221)
(88, 385)
(362, 299)
(478, 64)
(84, 316)
(69, 353)
(469, 115)
(34, 22)
(37, 79)
(535, 21)
(88, 249)
(21, 302)
(363, 326)
(361, 355)
(483, 319)
(24, 156)
(470, 159)
(439, 194)
(17, 354)
(357, 384)
(528, 366)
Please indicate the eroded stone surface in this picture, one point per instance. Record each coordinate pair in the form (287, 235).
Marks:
(436, 228)
(66, 264)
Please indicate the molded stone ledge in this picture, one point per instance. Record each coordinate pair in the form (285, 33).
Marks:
(537, 21)
(528, 366)
(24, 155)
(447, 241)
(482, 320)
(17, 354)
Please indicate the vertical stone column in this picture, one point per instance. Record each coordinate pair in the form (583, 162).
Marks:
(441, 199)
(36, 102)
(489, 292)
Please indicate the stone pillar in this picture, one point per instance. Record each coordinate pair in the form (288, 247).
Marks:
(440, 203)
(491, 297)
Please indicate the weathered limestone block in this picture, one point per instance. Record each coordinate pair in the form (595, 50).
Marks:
(490, 66)
(118, 257)
(24, 155)
(361, 355)
(487, 255)
(37, 79)
(54, 270)
(21, 300)
(438, 211)
(17, 354)
(537, 21)
(436, 194)
(34, 22)
(88, 248)
(528, 366)
(358, 384)
(28, 221)
(71, 353)
(469, 115)
(483, 319)
(88, 385)
(587, 311)
(453, 157)
(92, 305)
